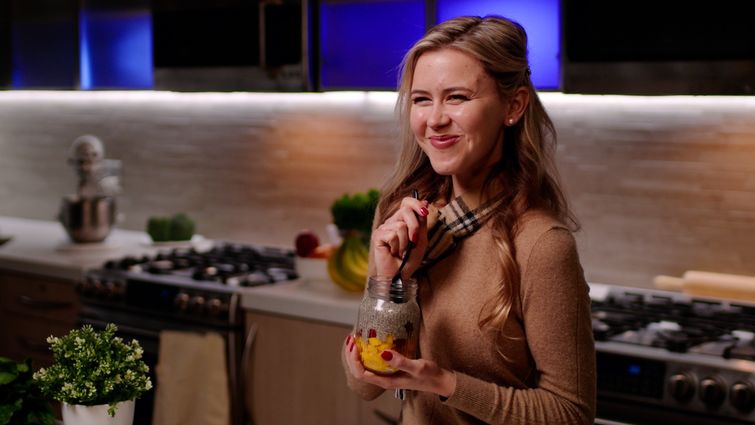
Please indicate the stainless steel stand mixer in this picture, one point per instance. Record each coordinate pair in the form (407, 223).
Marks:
(90, 213)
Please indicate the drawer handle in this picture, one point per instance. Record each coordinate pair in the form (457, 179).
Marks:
(43, 304)
(33, 345)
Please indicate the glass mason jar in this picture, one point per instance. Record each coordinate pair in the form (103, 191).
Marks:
(388, 320)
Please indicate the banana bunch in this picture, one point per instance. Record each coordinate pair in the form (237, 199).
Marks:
(347, 266)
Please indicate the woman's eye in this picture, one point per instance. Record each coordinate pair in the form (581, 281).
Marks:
(420, 100)
(457, 98)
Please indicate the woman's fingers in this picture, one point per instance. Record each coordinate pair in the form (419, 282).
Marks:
(394, 235)
(391, 239)
(419, 374)
(407, 222)
(352, 357)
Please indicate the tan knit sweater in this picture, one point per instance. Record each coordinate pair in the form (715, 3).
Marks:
(549, 374)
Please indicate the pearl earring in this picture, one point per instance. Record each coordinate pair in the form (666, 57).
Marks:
(511, 121)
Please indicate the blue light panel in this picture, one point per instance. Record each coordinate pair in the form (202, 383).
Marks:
(541, 20)
(362, 44)
(43, 54)
(115, 49)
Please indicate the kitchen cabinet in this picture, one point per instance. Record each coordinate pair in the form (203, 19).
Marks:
(33, 307)
(39, 44)
(294, 376)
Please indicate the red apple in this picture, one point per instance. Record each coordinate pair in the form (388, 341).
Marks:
(306, 242)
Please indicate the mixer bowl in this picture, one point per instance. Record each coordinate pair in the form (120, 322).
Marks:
(87, 219)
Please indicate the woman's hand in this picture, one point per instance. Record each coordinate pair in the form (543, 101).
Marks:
(419, 375)
(391, 239)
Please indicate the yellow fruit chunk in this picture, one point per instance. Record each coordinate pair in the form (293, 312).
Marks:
(370, 350)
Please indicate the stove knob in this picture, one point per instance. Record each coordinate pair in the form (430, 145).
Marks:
(182, 301)
(197, 303)
(88, 285)
(82, 285)
(681, 387)
(98, 288)
(109, 289)
(119, 289)
(712, 392)
(214, 306)
(742, 396)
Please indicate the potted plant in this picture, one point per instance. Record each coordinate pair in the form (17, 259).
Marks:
(21, 402)
(95, 375)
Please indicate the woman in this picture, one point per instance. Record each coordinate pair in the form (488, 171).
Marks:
(506, 332)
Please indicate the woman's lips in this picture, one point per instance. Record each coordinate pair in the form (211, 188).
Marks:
(443, 142)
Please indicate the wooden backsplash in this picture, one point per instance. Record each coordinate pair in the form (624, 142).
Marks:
(660, 184)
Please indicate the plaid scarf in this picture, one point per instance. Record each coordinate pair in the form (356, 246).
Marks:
(450, 223)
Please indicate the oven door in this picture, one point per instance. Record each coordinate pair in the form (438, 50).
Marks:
(146, 329)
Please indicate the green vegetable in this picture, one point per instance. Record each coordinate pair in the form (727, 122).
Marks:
(355, 212)
(181, 227)
(159, 228)
(177, 228)
(21, 400)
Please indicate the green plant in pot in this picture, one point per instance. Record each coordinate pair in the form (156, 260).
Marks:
(21, 402)
(96, 375)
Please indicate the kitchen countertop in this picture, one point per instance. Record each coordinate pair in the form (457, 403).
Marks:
(317, 300)
(42, 247)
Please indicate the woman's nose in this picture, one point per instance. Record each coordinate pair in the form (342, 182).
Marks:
(438, 117)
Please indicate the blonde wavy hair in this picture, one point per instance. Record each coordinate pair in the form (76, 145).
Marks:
(526, 171)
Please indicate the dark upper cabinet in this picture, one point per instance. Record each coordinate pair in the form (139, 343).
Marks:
(5, 44)
(577, 46)
(651, 47)
(41, 38)
(231, 45)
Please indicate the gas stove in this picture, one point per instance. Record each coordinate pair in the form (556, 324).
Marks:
(186, 290)
(665, 356)
(186, 283)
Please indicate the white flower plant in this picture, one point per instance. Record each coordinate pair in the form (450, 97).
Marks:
(93, 368)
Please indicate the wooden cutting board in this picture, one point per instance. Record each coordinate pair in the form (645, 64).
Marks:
(709, 284)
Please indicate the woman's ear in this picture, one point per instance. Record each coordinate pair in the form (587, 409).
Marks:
(517, 105)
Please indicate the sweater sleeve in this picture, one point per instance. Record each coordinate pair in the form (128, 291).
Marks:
(556, 316)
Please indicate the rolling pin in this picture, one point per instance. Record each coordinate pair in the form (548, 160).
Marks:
(709, 284)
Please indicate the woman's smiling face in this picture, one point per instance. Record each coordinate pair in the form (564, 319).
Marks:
(457, 116)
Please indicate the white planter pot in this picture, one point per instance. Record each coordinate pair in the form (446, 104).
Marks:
(76, 414)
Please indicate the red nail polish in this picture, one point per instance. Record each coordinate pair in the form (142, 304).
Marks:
(348, 339)
(386, 355)
(424, 211)
(351, 348)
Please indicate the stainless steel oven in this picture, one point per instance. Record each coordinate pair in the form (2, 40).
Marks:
(664, 357)
(184, 290)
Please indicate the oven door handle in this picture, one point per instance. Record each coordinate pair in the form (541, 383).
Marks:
(29, 344)
(246, 387)
(99, 324)
(599, 421)
(43, 304)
